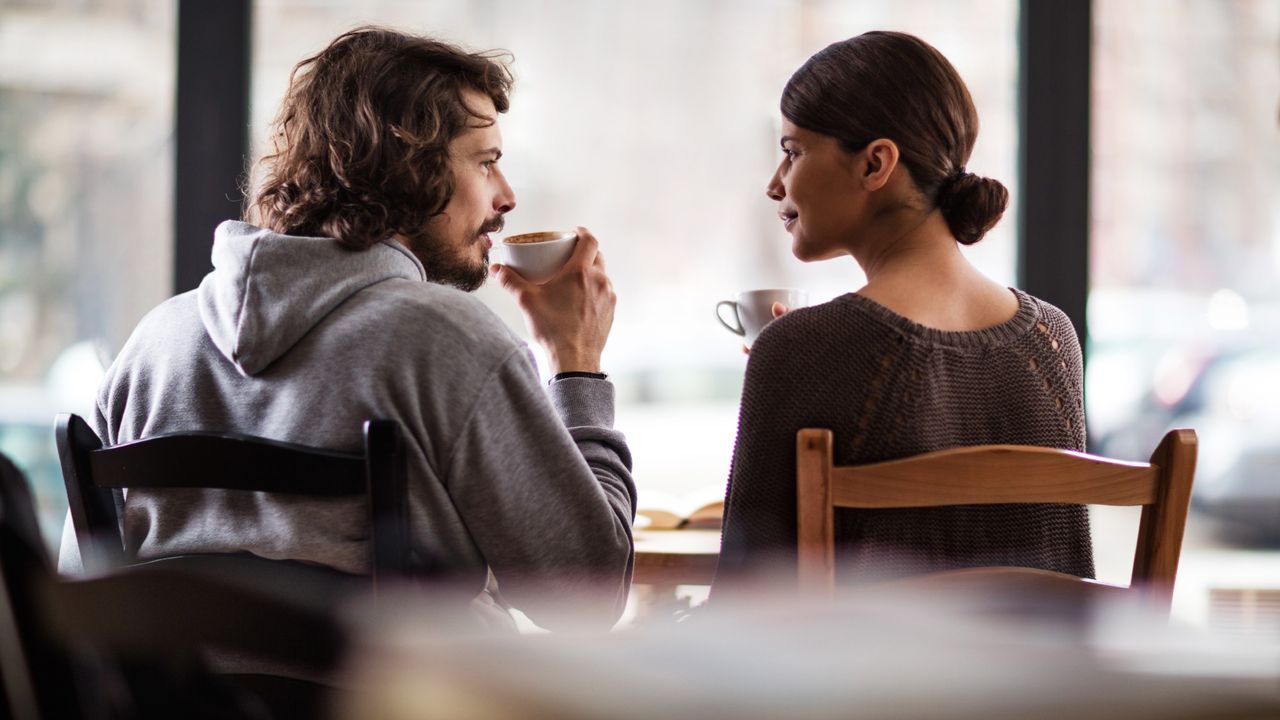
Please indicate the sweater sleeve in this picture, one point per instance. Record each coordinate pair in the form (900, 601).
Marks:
(760, 521)
(545, 490)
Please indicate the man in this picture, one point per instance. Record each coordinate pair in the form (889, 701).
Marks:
(347, 300)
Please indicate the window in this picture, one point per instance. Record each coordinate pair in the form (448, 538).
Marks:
(655, 124)
(1183, 309)
(86, 100)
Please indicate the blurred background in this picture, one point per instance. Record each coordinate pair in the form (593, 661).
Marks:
(655, 124)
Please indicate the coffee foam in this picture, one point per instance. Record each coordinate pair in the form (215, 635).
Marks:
(536, 237)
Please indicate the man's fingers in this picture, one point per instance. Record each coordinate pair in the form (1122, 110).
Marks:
(508, 278)
(779, 309)
(584, 255)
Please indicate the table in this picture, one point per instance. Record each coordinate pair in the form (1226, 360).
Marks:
(911, 654)
(666, 558)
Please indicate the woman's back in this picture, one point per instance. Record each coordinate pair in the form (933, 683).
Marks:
(888, 388)
(875, 135)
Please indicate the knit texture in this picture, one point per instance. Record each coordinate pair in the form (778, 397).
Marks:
(890, 388)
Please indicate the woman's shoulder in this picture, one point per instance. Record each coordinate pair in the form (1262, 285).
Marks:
(823, 330)
(1049, 318)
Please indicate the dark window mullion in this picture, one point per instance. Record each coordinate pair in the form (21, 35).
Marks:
(211, 127)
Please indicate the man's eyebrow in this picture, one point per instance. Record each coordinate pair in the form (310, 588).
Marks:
(495, 152)
(785, 139)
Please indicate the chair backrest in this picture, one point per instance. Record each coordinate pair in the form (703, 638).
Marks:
(38, 678)
(168, 611)
(991, 474)
(22, 557)
(130, 642)
(233, 462)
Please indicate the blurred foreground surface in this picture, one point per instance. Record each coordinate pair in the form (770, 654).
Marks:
(876, 655)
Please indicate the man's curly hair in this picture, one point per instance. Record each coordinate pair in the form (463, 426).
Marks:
(361, 143)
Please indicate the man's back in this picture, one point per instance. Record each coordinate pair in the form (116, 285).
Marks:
(300, 340)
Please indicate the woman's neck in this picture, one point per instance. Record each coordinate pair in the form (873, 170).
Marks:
(916, 269)
(909, 241)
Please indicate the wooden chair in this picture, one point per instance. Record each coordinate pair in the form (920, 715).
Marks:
(233, 462)
(991, 474)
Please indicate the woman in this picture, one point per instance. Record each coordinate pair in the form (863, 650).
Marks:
(929, 354)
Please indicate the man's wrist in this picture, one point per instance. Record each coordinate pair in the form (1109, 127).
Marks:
(574, 363)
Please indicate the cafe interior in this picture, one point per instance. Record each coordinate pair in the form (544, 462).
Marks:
(1139, 141)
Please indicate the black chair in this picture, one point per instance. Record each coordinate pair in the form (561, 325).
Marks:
(131, 643)
(165, 625)
(28, 656)
(233, 462)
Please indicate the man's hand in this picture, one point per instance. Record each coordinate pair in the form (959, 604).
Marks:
(572, 312)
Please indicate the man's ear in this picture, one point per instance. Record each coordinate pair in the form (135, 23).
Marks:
(882, 159)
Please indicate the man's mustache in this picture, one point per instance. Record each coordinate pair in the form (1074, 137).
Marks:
(493, 226)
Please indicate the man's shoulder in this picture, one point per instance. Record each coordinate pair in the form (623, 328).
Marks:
(445, 312)
(173, 317)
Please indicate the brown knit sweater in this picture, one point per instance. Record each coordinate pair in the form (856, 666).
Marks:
(888, 388)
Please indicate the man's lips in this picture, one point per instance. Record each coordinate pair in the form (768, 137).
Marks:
(492, 226)
(788, 219)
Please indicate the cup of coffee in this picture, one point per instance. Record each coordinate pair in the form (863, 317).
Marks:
(754, 309)
(537, 255)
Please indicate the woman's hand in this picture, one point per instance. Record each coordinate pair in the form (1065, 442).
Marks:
(778, 310)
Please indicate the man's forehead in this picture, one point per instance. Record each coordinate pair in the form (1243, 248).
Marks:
(482, 127)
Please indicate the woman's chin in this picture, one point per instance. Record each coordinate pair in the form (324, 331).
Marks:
(807, 253)
(801, 250)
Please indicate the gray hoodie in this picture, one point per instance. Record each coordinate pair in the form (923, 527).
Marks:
(297, 339)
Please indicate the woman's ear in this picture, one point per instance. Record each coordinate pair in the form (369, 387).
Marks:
(882, 159)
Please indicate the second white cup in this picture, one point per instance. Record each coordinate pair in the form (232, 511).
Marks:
(754, 309)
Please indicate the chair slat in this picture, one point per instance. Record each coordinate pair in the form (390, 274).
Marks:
(1000, 474)
(228, 462)
(995, 474)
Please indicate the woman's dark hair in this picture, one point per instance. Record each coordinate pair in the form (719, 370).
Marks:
(361, 143)
(896, 86)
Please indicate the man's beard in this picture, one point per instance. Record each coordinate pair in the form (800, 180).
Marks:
(453, 266)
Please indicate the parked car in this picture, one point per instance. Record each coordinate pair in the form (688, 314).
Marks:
(1235, 406)
(1231, 397)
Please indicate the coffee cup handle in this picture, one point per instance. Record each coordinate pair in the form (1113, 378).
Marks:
(736, 327)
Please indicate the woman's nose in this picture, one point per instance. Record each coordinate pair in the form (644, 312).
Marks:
(774, 189)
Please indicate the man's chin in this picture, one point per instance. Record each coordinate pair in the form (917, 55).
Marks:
(466, 278)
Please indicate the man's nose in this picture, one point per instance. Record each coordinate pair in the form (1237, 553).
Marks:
(505, 201)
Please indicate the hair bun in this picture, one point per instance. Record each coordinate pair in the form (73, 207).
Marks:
(971, 205)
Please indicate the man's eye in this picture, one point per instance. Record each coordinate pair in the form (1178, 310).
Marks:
(791, 154)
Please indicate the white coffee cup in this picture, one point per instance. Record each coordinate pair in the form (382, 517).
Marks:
(536, 256)
(754, 309)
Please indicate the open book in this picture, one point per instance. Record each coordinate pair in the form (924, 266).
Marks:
(661, 511)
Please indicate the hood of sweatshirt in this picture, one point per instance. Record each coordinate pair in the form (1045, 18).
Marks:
(268, 290)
